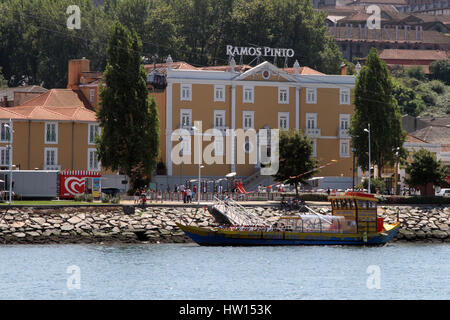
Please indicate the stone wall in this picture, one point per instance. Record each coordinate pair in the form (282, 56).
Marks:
(157, 224)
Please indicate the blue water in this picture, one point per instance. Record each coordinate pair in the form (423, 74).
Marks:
(188, 271)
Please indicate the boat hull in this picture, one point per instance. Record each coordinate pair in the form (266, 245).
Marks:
(210, 237)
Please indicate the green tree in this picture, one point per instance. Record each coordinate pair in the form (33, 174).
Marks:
(129, 120)
(375, 104)
(425, 168)
(417, 73)
(407, 99)
(3, 81)
(295, 156)
(440, 70)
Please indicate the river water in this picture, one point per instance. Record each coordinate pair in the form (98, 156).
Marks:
(188, 271)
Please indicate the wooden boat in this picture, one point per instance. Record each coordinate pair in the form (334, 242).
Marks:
(354, 221)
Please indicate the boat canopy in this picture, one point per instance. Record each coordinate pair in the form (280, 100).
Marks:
(312, 223)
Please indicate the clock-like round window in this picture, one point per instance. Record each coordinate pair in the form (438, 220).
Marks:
(266, 74)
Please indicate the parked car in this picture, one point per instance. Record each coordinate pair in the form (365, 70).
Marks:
(443, 193)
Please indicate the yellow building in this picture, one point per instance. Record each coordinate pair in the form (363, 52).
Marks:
(261, 97)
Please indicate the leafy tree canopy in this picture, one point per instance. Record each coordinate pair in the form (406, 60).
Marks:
(425, 168)
(130, 126)
(295, 158)
(376, 105)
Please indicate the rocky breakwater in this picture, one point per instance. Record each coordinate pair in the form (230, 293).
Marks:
(97, 224)
(158, 224)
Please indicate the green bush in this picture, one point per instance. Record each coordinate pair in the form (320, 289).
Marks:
(374, 185)
(89, 198)
(437, 86)
(79, 198)
(106, 198)
(417, 73)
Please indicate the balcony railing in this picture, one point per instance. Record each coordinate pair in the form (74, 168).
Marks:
(313, 132)
(343, 134)
(52, 167)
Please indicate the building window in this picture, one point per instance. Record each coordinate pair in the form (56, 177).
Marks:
(92, 95)
(51, 132)
(283, 95)
(248, 95)
(283, 120)
(344, 148)
(219, 93)
(94, 131)
(185, 118)
(50, 157)
(219, 118)
(5, 132)
(314, 148)
(311, 95)
(5, 159)
(248, 120)
(344, 121)
(186, 92)
(218, 144)
(344, 96)
(311, 120)
(93, 161)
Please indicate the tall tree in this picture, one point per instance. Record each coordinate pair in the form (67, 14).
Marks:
(295, 158)
(375, 104)
(3, 81)
(130, 126)
(424, 169)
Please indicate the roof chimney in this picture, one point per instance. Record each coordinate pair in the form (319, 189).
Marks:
(343, 69)
(76, 68)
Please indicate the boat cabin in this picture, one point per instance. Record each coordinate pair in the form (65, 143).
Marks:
(359, 210)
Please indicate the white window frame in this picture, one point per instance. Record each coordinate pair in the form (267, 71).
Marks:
(93, 168)
(344, 96)
(219, 144)
(219, 93)
(251, 115)
(91, 95)
(283, 95)
(250, 98)
(219, 114)
(342, 152)
(4, 128)
(311, 95)
(47, 124)
(286, 116)
(344, 118)
(90, 129)
(182, 113)
(186, 92)
(5, 150)
(311, 116)
(46, 150)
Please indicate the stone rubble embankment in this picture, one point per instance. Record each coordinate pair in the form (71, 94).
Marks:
(153, 224)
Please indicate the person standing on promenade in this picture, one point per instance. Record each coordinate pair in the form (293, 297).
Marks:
(137, 194)
(189, 195)
(184, 195)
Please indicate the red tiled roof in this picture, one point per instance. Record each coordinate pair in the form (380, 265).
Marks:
(415, 55)
(162, 67)
(303, 70)
(237, 68)
(55, 104)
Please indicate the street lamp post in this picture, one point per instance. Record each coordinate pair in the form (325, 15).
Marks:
(199, 165)
(368, 131)
(10, 150)
(353, 170)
